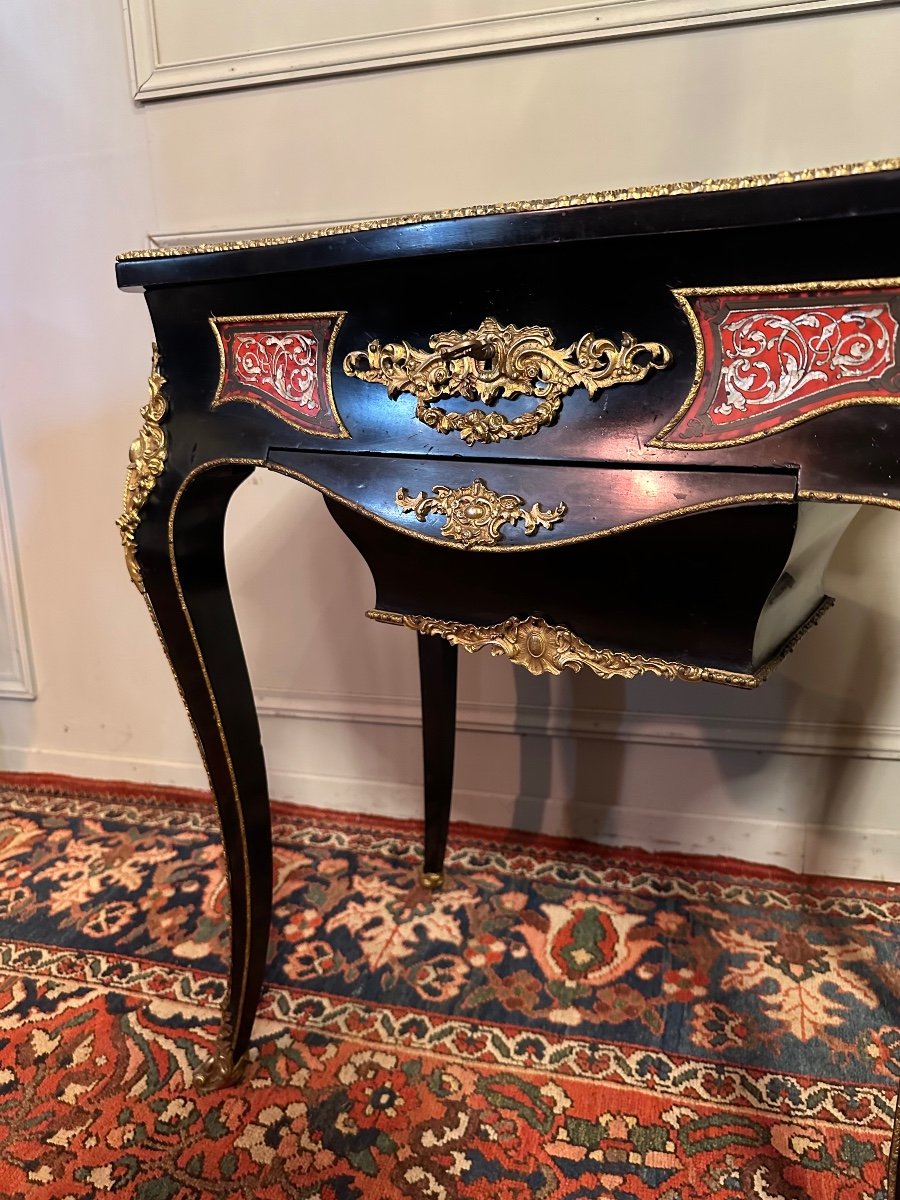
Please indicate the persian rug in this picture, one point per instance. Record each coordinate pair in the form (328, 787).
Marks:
(563, 1021)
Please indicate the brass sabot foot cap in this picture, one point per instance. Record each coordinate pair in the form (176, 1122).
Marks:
(221, 1071)
(432, 880)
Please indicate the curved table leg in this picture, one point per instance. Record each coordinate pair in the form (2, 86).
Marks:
(178, 558)
(437, 676)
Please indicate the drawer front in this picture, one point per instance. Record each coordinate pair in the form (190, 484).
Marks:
(505, 506)
(498, 389)
(760, 362)
(660, 349)
(480, 366)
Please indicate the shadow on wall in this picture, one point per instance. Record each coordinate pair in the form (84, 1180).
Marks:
(706, 768)
(866, 664)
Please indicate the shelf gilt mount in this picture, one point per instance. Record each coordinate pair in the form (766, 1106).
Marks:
(498, 361)
(544, 649)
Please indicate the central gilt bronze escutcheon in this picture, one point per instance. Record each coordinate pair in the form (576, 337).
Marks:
(498, 361)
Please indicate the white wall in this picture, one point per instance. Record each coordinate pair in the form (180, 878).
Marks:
(803, 772)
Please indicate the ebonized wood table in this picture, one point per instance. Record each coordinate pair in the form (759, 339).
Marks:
(613, 432)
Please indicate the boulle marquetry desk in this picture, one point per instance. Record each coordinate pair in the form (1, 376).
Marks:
(619, 433)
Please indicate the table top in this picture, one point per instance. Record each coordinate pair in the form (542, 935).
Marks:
(814, 194)
(659, 263)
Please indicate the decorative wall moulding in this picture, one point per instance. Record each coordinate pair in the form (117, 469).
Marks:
(207, 45)
(16, 675)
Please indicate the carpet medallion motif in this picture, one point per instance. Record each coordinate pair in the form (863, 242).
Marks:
(563, 1021)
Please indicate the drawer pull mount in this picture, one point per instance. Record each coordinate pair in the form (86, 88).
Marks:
(494, 361)
(475, 515)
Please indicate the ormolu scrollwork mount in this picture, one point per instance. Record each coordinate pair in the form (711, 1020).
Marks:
(563, 498)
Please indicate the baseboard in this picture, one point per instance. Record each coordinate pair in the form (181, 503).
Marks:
(843, 851)
(699, 730)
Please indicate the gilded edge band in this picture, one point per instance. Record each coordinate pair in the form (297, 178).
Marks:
(683, 297)
(847, 498)
(611, 196)
(548, 649)
(343, 431)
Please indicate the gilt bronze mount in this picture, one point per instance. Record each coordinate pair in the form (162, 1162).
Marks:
(475, 515)
(502, 361)
(147, 459)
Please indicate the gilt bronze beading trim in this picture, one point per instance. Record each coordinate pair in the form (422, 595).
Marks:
(609, 196)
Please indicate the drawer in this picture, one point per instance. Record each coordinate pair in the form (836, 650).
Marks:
(692, 337)
(504, 505)
(744, 377)
(546, 379)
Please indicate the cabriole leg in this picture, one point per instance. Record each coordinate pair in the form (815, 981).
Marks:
(173, 531)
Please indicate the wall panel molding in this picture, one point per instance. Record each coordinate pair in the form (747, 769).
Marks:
(216, 47)
(16, 675)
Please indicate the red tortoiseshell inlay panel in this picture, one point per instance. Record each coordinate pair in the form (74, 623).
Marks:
(283, 364)
(770, 359)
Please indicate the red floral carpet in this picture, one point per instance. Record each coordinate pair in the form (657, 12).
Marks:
(564, 1021)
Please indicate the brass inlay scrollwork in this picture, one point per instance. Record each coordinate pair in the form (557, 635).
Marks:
(683, 297)
(476, 514)
(147, 457)
(495, 361)
(548, 649)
